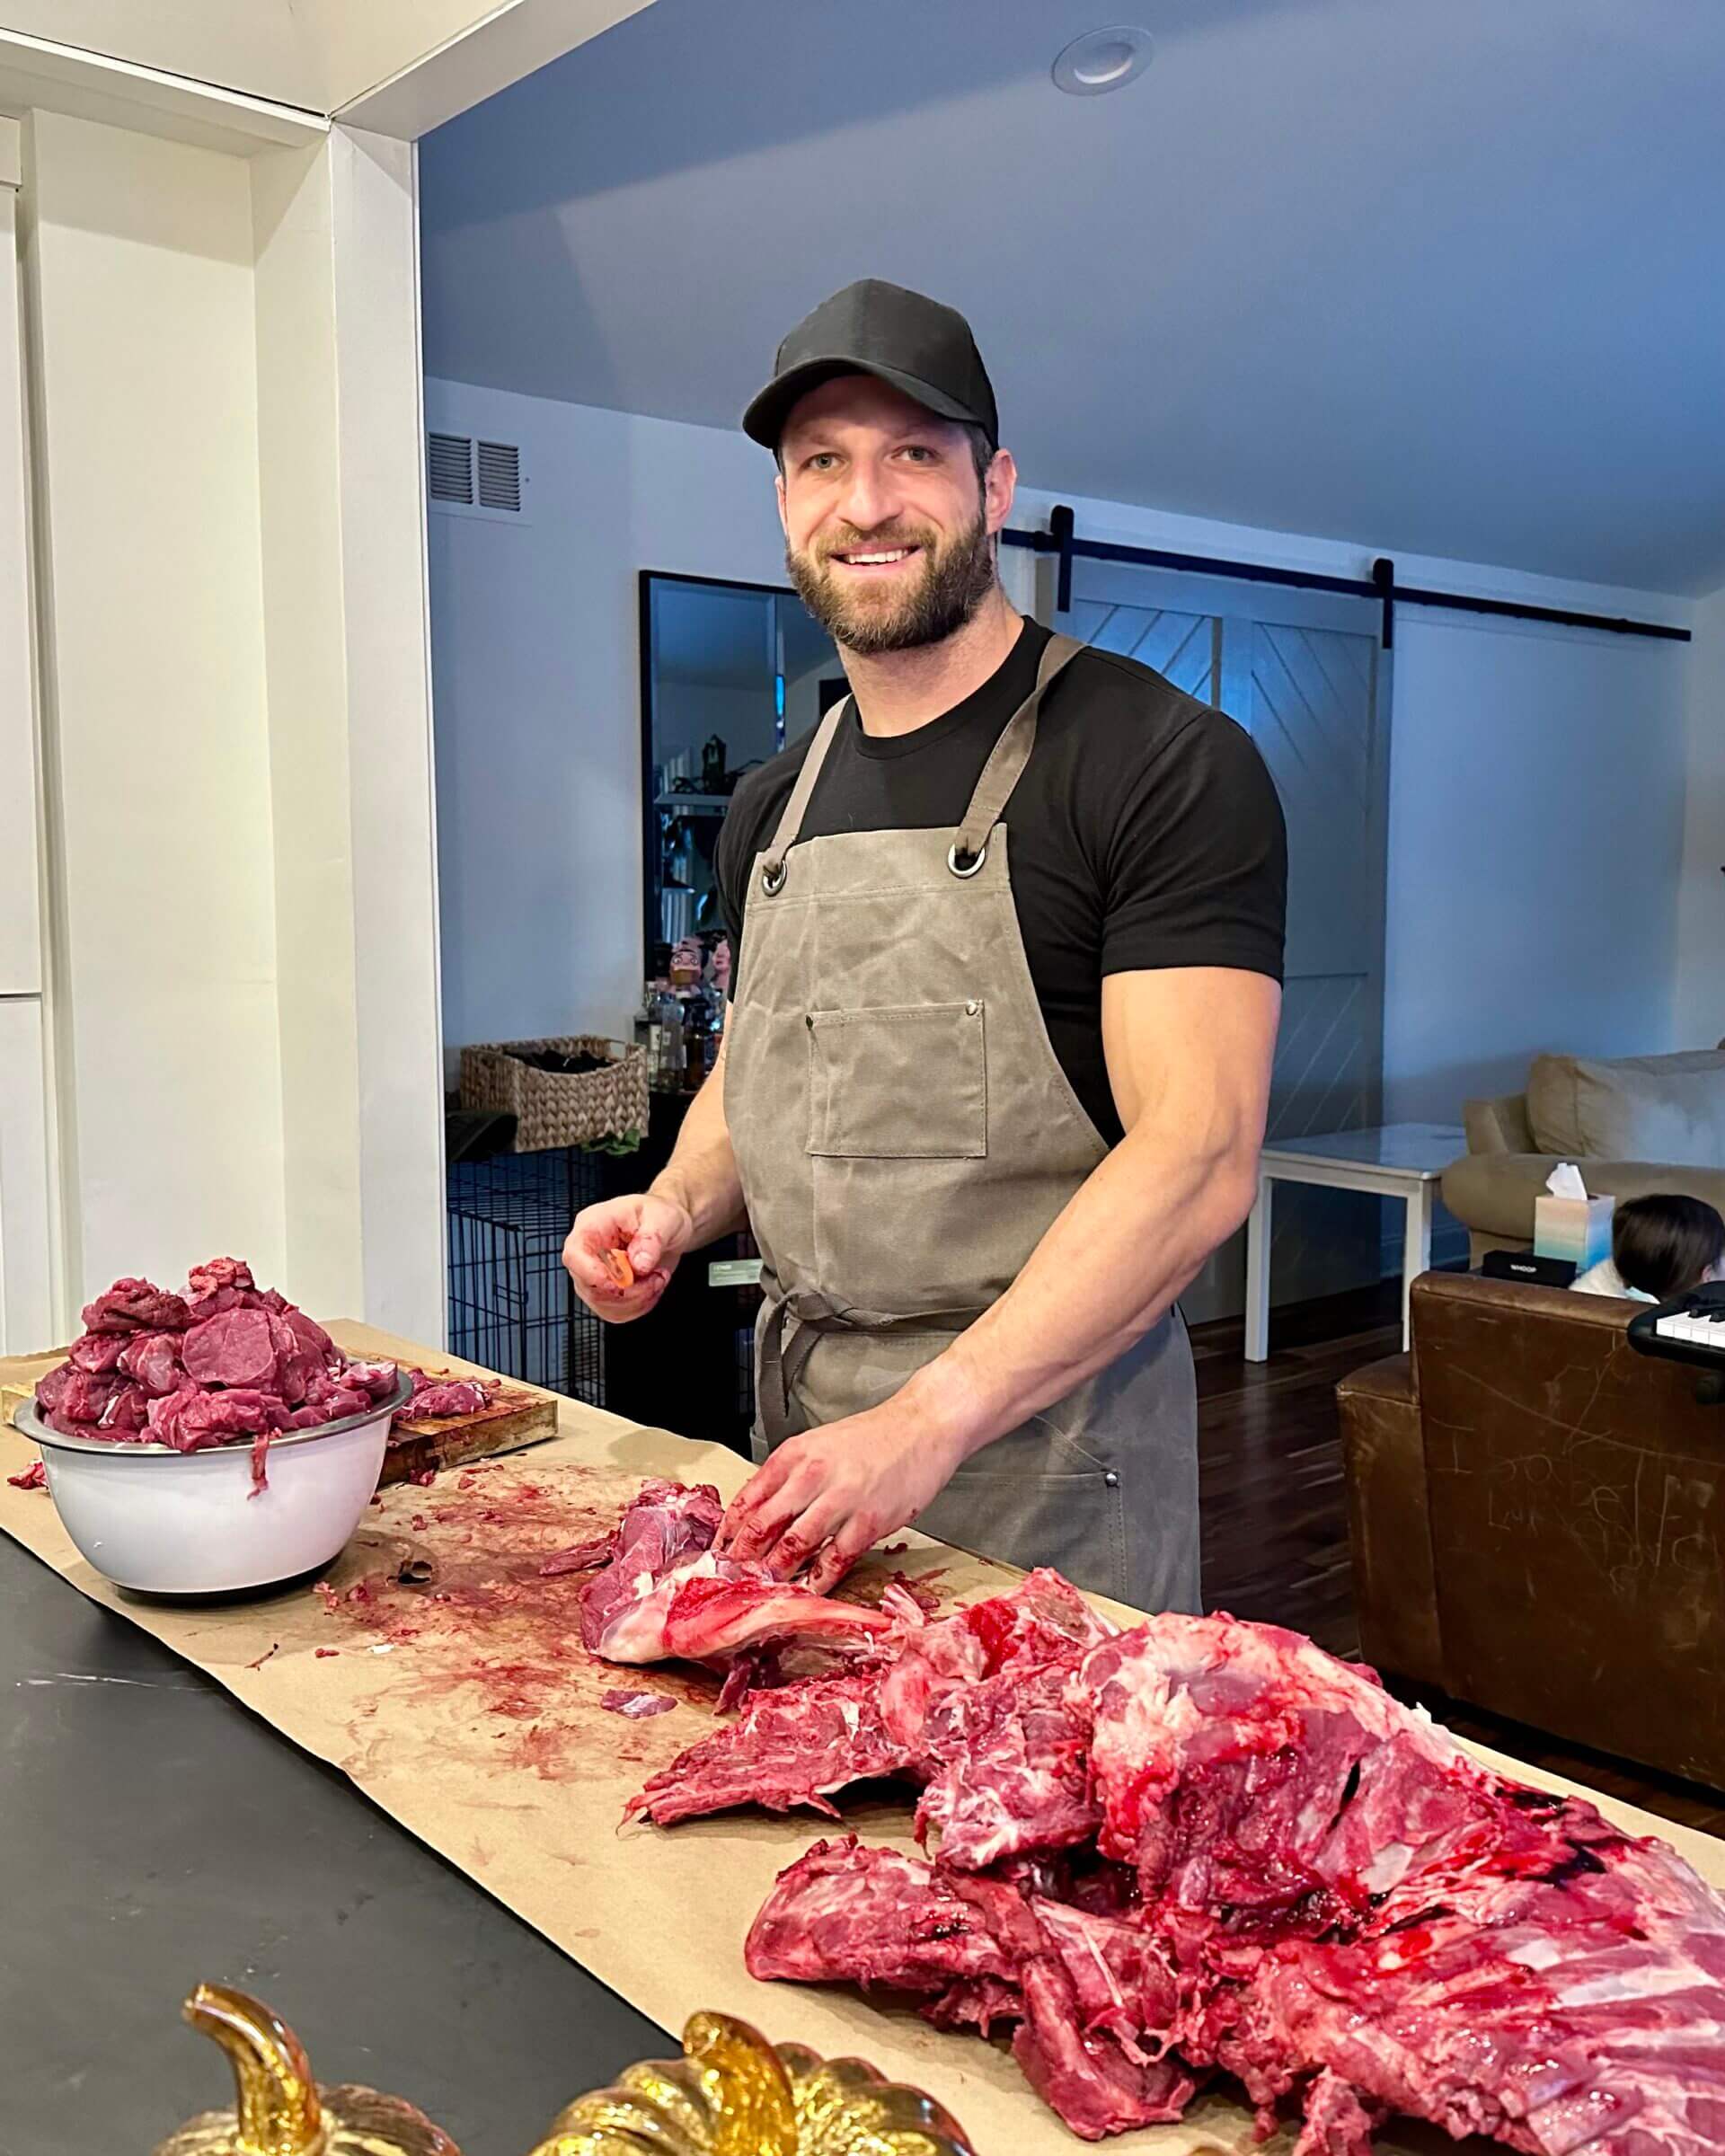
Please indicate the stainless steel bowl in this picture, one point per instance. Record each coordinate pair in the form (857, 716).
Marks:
(169, 1523)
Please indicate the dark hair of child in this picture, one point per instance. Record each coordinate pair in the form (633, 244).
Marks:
(1665, 1245)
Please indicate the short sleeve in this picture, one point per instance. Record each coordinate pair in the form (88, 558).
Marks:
(1195, 870)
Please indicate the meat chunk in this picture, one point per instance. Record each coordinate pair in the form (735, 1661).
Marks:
(921, 1716)
(152, 1360)
(99, 1353)
(871, 1916)
(662, 1594)
(134, 1305)
(788, 1746)
(190, 1419)
(238, 1347)
(434, 1396)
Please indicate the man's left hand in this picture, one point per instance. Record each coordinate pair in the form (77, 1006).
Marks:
(824, 1499)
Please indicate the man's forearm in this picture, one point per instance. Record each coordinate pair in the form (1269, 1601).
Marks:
(701, 1175)
(1129, 1241)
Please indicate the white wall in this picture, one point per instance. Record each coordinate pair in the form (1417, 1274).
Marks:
(1509, 744)
(1536, 808)
(537, 702)
(1700, 1003)
(143, 381)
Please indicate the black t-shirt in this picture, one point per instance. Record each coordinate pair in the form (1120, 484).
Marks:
(1146, 832)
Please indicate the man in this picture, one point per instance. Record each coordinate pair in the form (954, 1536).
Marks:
(1008, 938)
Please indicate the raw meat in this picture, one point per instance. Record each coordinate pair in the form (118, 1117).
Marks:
(136, 1306)
(238, 1347)
(789, 1746)
(152, 1360)
(445, 1395)
(34, 1477)
(225, 1363)
(973, 1706)
(637, 1705)
(1234, 1854)
(100, 1352)
(661, 1593)
(876, 1917)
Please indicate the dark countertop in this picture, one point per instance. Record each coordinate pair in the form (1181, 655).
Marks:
(156, 1835)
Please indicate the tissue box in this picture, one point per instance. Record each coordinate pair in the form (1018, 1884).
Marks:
(1576, 1228)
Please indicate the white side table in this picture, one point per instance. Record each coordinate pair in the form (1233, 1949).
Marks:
(1396, 1160)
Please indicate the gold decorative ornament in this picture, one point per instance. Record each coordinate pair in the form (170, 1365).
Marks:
(278, 2108)
(732, 2094)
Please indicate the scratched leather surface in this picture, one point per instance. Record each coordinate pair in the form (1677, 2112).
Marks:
(1576, 1501)
(1389, 1526)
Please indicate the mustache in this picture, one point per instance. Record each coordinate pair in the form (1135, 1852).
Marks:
(864, 542)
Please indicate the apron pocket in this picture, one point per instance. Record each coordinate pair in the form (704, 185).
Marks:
(902, 1083)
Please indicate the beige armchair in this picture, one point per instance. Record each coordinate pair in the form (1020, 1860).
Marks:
(1635, 1127)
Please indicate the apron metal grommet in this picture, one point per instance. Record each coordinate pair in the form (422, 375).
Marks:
(772, 878)
(972, 1007)
(1111, 1478)
(969, 864)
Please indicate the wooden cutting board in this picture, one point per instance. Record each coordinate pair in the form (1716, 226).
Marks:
(520, 1415)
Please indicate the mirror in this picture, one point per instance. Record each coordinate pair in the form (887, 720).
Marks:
(730, 673)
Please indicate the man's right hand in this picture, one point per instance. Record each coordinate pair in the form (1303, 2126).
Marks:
(652, 1232)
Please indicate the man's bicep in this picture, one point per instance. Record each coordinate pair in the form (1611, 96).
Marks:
(1191, 1046)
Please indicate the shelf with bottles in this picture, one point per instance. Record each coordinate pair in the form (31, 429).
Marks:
(682, 1015)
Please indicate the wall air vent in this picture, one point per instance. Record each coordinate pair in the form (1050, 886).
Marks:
(449, 467)
(499, 476)
(467, 477)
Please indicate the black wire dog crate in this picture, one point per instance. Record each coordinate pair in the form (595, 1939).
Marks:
(511, 1305)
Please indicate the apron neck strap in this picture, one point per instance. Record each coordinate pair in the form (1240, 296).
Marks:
(1006, 761)
(1000, 773)
(791, 823)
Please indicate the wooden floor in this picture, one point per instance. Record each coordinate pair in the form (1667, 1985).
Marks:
(1275, 1518)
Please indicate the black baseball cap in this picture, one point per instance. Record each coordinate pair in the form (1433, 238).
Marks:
(871, 328)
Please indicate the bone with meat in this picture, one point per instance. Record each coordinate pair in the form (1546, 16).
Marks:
(660, 1594)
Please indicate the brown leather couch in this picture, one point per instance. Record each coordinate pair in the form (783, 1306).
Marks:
(1537, 1520)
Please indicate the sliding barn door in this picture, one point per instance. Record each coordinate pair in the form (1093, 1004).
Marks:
(1302, 674)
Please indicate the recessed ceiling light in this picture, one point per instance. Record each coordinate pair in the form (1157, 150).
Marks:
(1102, 60)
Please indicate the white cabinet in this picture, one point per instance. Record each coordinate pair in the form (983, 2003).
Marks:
(26, 1269)
(26, 1321)
(21, 935)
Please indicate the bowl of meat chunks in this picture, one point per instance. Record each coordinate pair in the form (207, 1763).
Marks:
(210, 1441)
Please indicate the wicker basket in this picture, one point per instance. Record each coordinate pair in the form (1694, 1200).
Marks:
(553, 1110)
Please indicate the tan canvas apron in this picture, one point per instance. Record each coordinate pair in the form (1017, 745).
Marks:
(905, 1136)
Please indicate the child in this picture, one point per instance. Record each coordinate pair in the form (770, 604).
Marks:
(1660, 1248)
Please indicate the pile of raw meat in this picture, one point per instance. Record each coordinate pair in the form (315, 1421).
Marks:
(225, 1363)
(1205, 1847)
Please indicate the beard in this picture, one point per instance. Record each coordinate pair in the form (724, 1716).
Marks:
(952, 580)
